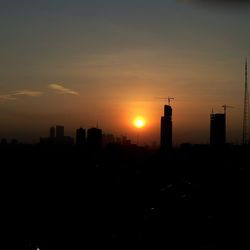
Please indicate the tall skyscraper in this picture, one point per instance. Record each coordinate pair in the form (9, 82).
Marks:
(80, 137)
(166, 128)
(94, 139)
(59, 132)
(218, 129)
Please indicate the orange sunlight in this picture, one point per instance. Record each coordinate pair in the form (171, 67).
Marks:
(139, 122)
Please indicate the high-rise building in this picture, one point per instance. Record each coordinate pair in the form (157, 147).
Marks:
(166, 128)
(218, 129)
(57, 138)
(59, 132)
(80, 137)
(52, 133)
(94, 139)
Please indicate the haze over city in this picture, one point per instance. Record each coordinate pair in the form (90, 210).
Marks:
(79, 63)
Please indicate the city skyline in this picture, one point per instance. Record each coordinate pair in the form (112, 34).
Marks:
(218, 133)
(138, 123)
(85, 62)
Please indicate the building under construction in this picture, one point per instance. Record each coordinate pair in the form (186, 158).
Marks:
(166, 128)
(218, 129)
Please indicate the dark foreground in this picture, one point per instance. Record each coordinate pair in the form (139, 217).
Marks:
(66, 198)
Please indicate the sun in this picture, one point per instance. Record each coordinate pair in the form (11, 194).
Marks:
(139, 122)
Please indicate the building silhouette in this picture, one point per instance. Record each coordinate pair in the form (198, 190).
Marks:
(218, 129)
(166, 128)
(108, 139)
(125, 141)
(94, 140)
(59, 131)
(80, 137)
(57, 138)
(4, 141)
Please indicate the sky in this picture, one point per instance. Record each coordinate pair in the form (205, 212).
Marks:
(88, 62)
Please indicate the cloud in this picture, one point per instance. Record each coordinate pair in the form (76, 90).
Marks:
(4, 98)
(62, 90)
(12, 97)
(28, 93)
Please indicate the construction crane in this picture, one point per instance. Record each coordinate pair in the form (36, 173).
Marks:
(166, 98)
(225, 107)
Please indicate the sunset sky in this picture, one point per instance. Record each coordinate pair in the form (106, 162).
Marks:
(80, 62)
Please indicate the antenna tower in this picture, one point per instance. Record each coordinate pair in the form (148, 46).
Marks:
(246, 108)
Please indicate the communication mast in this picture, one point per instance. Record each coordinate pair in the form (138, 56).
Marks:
(246, 108)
